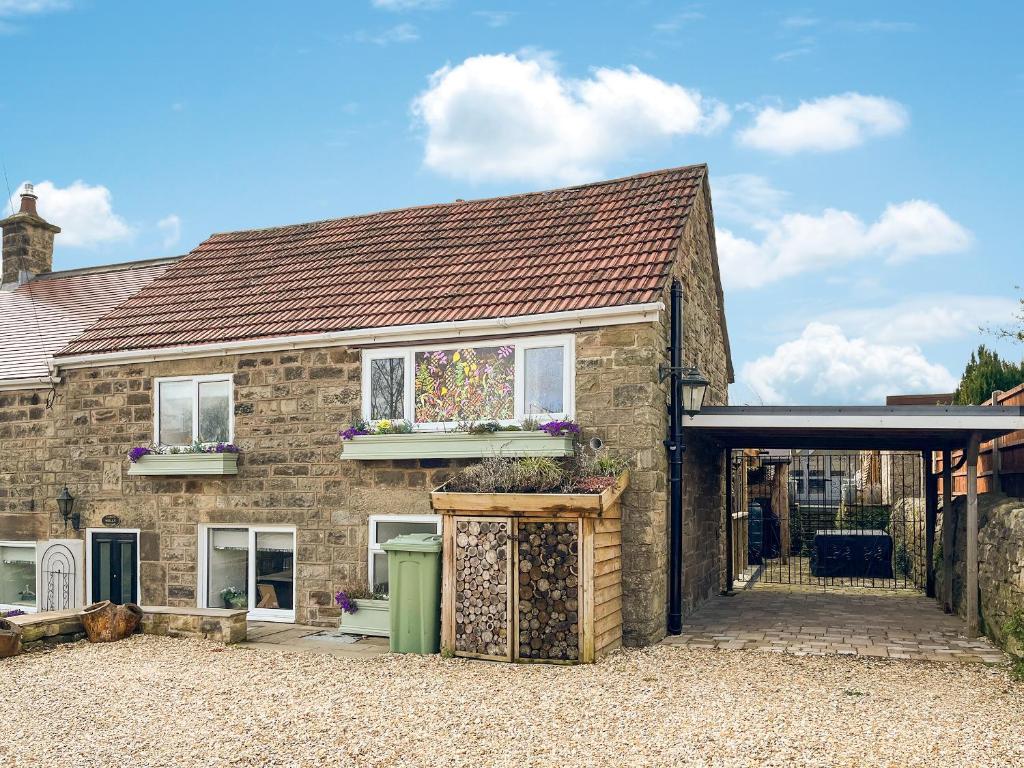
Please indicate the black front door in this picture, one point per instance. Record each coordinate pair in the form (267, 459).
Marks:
(114, 561)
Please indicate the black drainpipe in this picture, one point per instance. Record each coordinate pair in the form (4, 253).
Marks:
(674, 446)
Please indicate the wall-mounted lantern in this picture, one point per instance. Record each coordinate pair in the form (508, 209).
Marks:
(66, 506)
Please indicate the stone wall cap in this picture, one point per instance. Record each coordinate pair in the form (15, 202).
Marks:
(221, 613)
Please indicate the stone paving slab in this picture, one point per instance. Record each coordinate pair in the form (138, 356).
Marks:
(889, 624)
(307, 639)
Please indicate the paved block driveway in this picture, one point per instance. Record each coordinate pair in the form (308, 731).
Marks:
(894, 624)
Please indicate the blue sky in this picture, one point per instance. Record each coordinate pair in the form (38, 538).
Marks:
(865, 157)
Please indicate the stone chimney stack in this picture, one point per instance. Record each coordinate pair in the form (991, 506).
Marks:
(28, 242)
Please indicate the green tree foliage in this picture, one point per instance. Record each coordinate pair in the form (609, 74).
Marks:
(985, 373)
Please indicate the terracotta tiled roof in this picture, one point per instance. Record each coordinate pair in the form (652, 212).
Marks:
(597, 245)
(39, 317)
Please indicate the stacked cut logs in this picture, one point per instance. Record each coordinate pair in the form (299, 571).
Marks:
(548, 591)
(481, 587)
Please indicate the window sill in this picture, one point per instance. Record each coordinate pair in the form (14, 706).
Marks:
(155, 464)
(455, 445)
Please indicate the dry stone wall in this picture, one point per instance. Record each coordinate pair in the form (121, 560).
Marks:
(1000, 560)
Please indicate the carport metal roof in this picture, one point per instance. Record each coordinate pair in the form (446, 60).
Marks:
(901, 427)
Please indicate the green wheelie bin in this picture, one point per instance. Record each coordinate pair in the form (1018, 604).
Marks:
(414, 584)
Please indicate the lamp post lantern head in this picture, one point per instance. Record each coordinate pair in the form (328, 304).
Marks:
(693, 387)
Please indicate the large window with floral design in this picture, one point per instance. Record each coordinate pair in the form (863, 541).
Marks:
(448, 384)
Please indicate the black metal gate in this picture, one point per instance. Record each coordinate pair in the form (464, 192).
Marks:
(829, 518)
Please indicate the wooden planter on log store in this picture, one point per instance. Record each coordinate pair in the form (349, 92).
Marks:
(532, 577)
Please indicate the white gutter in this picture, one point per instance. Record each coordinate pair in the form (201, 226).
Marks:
(397, 334)
(35, 382)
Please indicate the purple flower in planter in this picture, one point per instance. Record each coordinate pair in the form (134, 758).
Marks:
(223, 448)
(559, 428)
(12, 612)
(346, 603)
(138, 452)
(348, 434)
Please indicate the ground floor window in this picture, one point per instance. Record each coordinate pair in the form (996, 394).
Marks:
(383, 528)
(17, 575)
(249, 567)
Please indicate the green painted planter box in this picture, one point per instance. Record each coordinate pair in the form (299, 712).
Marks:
(372, 617)
(186, 464)
(455, 445)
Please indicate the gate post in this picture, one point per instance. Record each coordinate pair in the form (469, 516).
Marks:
(730, 553)
(971, 585)
(931, 489)
(948, 530)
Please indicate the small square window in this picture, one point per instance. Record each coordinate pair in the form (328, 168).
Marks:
(18, 575)
(191, 410)
(385, 528)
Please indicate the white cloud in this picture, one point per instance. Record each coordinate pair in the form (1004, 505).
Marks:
(170, 228)
(400, 33)
(825, 125)
(799, 242)
(495, 18)
(926, 318)
(746, 197)
(83, 212)
(27, 7)
(514, 117)
(408, 5)
(824, 365)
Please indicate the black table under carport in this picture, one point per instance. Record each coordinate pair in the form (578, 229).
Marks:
(854, 553)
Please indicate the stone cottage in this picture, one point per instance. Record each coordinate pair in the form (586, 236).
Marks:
(275, 339)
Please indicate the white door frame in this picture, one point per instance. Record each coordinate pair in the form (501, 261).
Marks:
(88, 559)
(255, 614)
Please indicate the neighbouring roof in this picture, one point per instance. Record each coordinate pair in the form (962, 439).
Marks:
(41, 316)
(593, 246)
(945, 398)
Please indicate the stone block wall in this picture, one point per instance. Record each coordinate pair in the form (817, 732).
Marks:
(1000, 561)
(27, 473)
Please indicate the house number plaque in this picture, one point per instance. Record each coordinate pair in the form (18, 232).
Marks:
(111, 521)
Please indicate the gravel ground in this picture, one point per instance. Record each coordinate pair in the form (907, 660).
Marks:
(153, 701)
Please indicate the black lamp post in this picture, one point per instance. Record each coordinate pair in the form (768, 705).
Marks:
(66, 505)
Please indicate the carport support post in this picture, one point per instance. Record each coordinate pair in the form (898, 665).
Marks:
(971, 586)
(931, 503)
(948, 531)
(729, 544)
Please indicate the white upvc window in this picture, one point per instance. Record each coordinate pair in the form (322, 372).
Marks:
(193, 408)
(18, 588)
(441, 385)
(383, 528)
(248, 567)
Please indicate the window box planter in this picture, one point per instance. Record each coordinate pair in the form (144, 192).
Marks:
(155, 464)
(455, 445)
(549, 563)
(372, 617)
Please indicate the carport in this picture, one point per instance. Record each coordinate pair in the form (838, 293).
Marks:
(925, 430)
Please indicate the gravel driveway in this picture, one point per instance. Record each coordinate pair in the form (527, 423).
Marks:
(153, 701)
